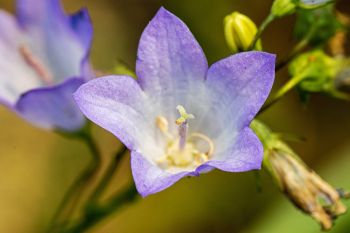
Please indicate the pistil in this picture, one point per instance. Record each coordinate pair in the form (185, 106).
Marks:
(182, 122)
(183, 130)
(182, 151)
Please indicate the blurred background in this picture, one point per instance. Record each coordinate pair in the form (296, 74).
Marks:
(36, 166)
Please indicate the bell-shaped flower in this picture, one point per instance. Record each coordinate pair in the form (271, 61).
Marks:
(43, 60)
(181, 118)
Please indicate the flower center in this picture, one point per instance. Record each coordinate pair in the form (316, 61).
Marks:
(35, 63)
(183, 150)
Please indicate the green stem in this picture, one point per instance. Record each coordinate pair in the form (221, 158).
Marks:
(108, 175)
(283, 91)
(297, 48)
(262, 27)
(296, 79)
(96, 213)
(80, 182)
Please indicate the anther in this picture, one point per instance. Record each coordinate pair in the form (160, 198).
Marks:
(162, 124)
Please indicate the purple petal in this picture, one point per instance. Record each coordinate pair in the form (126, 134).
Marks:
(52, 107)
(118, 104)
(240, 84)
(62, 42)
(31, 12)
(169, 61)
(9, 28)
(149, 178)
(16, 76)
(243, 155)
(81, 24)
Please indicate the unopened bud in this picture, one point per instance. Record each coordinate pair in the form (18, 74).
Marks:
(283, 7)
(318, 72)
(286, 7)
(240, 32)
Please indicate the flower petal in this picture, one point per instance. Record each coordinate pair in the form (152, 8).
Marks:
(240, 85)
(52, 107)
(149, 178)
(16, 76)
(169, 61)
(245, 154)
(61, 42)
(118, 104)
(81, 24)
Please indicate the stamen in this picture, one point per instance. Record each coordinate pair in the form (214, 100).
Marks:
(183, 151)
(207, 140)
(36, 64)
(162, 124)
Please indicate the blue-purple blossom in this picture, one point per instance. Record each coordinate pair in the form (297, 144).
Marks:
(181, 118)
(43, 60)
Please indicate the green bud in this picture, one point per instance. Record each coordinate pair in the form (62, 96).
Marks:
(283, 7)
(240, 32)
(316, 69)
(318, 72)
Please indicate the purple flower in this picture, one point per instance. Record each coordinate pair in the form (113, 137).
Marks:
(43, 60)
(181, 118)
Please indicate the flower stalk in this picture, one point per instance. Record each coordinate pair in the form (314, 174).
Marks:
(108, 175)
(95, 213)
(300, 46)
(261, 29)
(74, 192)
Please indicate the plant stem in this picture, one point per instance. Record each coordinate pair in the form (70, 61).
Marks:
(78, 185)
(296, 79)
(108, 174)
(283, 91)
(96, 213)
(297, 48)
(262, 27)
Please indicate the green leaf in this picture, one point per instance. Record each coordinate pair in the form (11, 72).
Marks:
(323, 19)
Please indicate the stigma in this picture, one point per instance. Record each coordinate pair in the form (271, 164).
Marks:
(183, 150)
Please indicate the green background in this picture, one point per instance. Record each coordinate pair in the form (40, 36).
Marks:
(37, 166)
